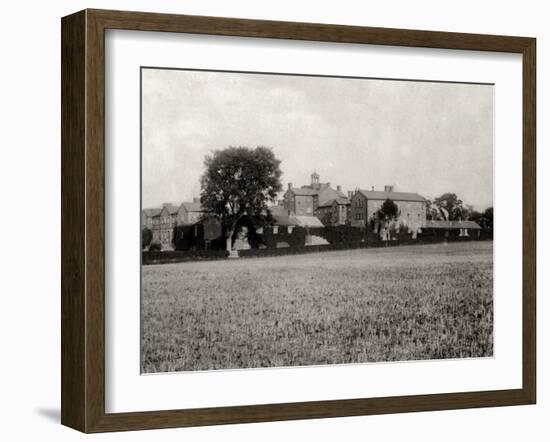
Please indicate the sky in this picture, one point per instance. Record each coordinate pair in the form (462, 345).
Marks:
(423, 137)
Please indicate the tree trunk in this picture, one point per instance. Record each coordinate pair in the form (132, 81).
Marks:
(228, 241)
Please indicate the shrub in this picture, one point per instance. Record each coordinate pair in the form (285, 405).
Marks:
(295, 239)
(146, 237)
(339, 234)
(155, 246)
(184, 237)
(400, 232)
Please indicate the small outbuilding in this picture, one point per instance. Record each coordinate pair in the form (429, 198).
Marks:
(451, 228)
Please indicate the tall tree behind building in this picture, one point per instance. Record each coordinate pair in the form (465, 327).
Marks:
(239, 182)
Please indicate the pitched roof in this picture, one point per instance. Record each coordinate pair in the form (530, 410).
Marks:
(327, 203)
(304, 191)
(431, 224)
(394, 196)
(285, 220)
(322, 190)
(193, 207)
(340, 200)
(294, 220)
(308, 221)
(343, 200)
(278, 211)
(151, 212)
(172, 210)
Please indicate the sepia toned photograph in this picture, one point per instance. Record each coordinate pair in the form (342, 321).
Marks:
(303, 220)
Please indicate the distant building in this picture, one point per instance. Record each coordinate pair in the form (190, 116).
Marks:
(162, 220)
(451, 228)
(365, 203)
(305, 200)
(334, 212)
(284, 220)
(163, 224)
(190, 213)
(147, 217)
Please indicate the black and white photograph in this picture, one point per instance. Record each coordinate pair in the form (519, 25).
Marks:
(293, 220)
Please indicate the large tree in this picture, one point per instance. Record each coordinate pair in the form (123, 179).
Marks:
(389, 211)
(239, 182)
(487, 219)
(450, 207)
(432, 211)
(385, 216)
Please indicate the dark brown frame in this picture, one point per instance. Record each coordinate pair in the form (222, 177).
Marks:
(83, 215)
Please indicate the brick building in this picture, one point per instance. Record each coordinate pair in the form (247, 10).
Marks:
(365, 203)
(334, 212)
(305, 200)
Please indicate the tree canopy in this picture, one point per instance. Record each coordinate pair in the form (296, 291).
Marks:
(388, 211)
(239, 181)
(450, 207)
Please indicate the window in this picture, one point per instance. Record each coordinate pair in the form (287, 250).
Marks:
(275, 230)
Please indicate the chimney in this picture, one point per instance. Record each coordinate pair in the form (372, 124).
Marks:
(289, 186)
(350, 194)
(196, 200)
(339, 188)
(372, 188)
(388, 188)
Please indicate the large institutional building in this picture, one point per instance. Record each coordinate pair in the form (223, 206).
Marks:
(316, 204)
(365, 204)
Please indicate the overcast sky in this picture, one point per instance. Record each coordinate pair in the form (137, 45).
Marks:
(428, 138)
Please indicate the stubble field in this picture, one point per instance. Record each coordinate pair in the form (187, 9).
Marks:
(369, 305)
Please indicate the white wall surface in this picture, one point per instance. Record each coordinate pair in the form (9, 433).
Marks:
(30, 218)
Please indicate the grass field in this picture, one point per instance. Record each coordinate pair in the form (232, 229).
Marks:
(394, 304)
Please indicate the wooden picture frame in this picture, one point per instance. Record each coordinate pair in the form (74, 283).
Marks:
(83, 220)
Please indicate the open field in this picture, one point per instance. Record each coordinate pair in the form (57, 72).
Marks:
(394, 304)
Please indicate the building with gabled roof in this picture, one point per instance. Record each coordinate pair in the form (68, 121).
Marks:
(190, 212)
(451, 228)
(147, 217)
(334, 212)
(389, 193)
(163, 224)
(283, 218)
(162, 220)
(304, 200)
(366, 203)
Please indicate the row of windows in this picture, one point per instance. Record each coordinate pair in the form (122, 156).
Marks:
(163, 236)
(171, 220)
(361, 215)
(260, 230)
